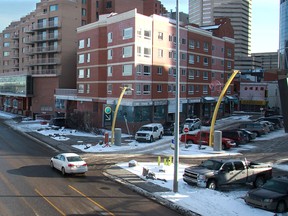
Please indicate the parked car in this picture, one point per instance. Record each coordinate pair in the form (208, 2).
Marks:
(255, 127)
(70, 163)
(213, 173)
(276, 120)
(192, 124)
(251, 135)
(237, 135)
(169, 128)
(202, 137)
(150, 132)
(206, 121)
(272, 196)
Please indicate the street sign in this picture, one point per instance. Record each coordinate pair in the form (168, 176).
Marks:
(107, 115)
(186, 130)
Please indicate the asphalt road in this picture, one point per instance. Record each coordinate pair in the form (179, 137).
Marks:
(30, 187)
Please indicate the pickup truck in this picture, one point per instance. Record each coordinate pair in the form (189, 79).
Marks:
(213, 173)
(202, 137)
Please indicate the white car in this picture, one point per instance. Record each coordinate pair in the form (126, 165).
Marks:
(149, 132)
(69, 163)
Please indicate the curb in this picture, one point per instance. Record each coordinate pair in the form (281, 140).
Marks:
(157, 198)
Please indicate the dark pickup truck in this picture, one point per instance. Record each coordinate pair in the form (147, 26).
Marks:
(213, 173)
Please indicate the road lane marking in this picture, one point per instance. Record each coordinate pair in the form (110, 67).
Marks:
(55, 207)
(94, 202)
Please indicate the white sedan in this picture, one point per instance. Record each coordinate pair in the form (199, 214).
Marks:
(69, 163)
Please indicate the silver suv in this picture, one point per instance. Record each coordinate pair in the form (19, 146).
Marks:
(150, 132)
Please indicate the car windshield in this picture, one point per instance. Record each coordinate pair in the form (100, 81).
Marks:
(276, 186)
(74, 158)
(146, 128)
(212, 165)
(190, 121)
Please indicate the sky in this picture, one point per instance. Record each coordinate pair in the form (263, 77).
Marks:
(265, 19)
(203, 201)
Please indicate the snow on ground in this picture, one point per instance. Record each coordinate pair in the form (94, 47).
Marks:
(203, 201)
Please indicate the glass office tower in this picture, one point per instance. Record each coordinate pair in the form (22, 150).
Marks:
(283, 60)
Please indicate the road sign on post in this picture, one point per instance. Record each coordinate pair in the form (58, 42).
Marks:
(186, 130)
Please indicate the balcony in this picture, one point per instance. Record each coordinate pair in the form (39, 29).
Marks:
(37, 50)
(15, 55)
(44, 61)
(45, 72)
(49, 25)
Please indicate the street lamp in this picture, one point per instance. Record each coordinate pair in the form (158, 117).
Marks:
(124, 89)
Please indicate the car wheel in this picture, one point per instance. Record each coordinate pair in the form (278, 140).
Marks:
(51, 164)
(151, 139)
(212, 184)
(189, 142)
(223, 147)
(281, 207)
(259, 181)
(63, 171)
(160, 137)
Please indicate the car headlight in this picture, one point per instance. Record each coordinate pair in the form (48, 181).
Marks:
(201, 177)
(268, 200)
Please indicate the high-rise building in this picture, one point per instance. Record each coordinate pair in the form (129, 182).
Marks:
(38, 53)
(203, 12)
(283, 60)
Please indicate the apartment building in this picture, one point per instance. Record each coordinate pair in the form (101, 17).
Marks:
(137, 51)
(38, 52)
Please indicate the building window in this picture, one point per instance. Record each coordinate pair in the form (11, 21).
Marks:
(84, 12)
(183, 88)
(159, 88)
(183, 41)
(138, 89)
(81, 73)
(109, 88)
(127, 70)
(109, 71)
(191, 89)
(88, 42)
(88, 73)
(139, 69)
(160, 53)
(138, 51)
(128, 91)
(183, 56)
(229, 52)
(109, 4)
(183, 72)
(147, 52)
(147, 70)
(81, 88)
(191, 44)
(147, 34)
(159, 70)
(88, 88)
(197, 73)
(191, 74)
(110, 37)
(212, 74)
(205, 89)
(88, 57)
(146, 89)
(205, 61)
(191, 59)
(127, 33)
(7, 35)
(81, 44)
(139, 32)
(205, 75)
(160, 35)
(6, 44)
(110, 54)
(206, 46)
(197, 44)
(81, 59)
(198, 59)
(229, 64)
(53, 7)
(127, 51)
(6, 53)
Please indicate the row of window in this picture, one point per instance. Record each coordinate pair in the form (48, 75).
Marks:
(146, 70)
(145, 89)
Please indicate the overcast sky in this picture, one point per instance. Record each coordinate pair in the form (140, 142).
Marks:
(265, 19)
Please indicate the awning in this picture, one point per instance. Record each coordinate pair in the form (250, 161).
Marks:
(208, 100)
(253, 102)
(229, 98)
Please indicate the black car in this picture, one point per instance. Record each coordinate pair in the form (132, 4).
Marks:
(250, 135)
(276, 120)
(169, 128)
(238, 136)
(272, 196)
